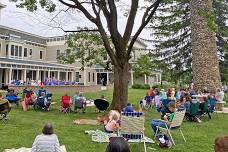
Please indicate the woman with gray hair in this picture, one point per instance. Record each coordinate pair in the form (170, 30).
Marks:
(47, 141)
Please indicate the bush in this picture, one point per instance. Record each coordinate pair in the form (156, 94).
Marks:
(136, 86)
(141, 86)
(145, 86)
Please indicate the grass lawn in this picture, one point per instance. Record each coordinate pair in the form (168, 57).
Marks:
(23, 127)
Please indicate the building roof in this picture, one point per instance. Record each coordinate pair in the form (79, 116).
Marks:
(7, 31)
(2, 5)
(33, 63)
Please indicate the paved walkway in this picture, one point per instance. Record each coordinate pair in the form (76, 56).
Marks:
(225, 110)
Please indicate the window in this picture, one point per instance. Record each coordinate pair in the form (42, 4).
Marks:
(16, 50)
(20, 51)
(12, 50)
(41, 54)
(7, 49)
(77, 77)
(57, 53)
(25, 52)
(88, 76)
(93, 77)
(30, 52)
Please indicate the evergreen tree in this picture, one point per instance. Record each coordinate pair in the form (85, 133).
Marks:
(172, 32)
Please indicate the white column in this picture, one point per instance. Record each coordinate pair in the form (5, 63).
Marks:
(10, 75)
(49, 74)
(37, 75)
(84, 77)
(24, 72)
(67, 76)
(1, 72)
(107, 78)
(160, 78)
(72, 76)
(6, 76)
(95, 74)
(157, 75)
(132, 77)
(58, 75)
(145, 79)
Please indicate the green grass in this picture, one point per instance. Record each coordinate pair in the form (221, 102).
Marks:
(23, 127)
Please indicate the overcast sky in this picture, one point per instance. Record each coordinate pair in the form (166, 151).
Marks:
(45, 24)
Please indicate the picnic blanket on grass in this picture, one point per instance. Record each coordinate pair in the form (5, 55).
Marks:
(86, 122)
(23, 149)
(101, 137)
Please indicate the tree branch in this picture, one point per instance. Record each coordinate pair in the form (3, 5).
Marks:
(113, 28)
(107, 45)
(97, 13)
(80, 7)
(83, 30)
(145, 20)
(67, 4)
(130, 20)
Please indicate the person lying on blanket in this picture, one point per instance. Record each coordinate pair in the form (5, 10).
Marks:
(168, 118)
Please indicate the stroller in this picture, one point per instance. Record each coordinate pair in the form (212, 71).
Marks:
(4, 111)
(101, 105)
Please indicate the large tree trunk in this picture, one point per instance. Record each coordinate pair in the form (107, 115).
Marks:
(205, 61)
(120, 92)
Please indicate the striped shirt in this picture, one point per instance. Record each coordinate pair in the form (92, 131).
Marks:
(46, 143)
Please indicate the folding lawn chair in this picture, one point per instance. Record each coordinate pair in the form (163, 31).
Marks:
(176, 124)
(133, 114)
(4, 111)
(101, 105)
(133, 126)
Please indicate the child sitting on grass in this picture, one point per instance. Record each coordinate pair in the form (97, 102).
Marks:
(111, 125)
(168, 118)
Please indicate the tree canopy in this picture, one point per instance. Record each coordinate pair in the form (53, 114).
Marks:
(118, 45)
(172, 30)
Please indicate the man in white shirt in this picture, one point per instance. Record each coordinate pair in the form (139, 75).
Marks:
(219, 96)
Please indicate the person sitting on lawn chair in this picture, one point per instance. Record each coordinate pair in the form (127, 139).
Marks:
(29, 99)
(41, 90)
(168, 117)
(43, 103)
(5, 107)
(128, 108)
(12, 97)
(65, 103)
(80, 103)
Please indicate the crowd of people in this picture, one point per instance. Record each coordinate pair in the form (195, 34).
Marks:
(166, 102)
(47, 82)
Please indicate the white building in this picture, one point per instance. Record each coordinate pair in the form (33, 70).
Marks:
(29, 57)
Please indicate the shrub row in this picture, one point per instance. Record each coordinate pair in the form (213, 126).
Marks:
(141, 86)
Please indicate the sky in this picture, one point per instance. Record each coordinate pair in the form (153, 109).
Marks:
(47, 24)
